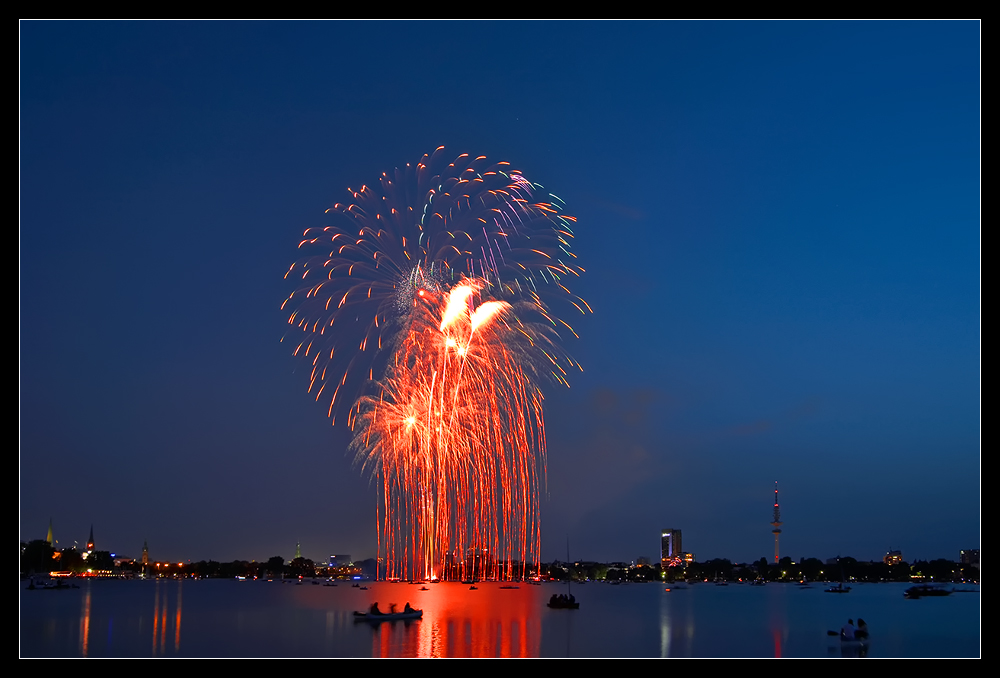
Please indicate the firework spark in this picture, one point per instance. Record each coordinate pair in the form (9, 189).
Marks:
(456, 436)
(426, 310)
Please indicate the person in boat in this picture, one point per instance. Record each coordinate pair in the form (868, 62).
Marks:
(374, 609)
(392, 608)
(847, 631)
(862, 631)
(407, 608)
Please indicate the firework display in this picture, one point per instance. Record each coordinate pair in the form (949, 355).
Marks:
(426, 313)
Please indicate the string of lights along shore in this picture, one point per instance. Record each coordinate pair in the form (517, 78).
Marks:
(432, 309)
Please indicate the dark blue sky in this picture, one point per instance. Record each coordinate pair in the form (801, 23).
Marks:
(780, 224)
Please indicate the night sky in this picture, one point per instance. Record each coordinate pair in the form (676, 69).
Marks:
(780, 224)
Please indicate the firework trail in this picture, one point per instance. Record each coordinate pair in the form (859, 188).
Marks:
(457, 437)
(425, 314)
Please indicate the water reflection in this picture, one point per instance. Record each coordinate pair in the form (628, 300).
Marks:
(161, 617)
(676, 623)
(85, 623)
(489, 622)
(262, 619)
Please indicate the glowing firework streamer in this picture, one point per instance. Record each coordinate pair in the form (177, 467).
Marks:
(423, 317)
(457, 438)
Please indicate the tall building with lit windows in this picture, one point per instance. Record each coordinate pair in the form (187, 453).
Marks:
(670, 547)
(969, 557)
(892, 557)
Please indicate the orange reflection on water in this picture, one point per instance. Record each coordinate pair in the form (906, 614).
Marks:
(457, 622)
(85, 623)
(161, 618)
(177, 620)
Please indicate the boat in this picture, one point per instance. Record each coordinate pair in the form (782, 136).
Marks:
(926, 591)
(51, 584)
(861, 637)
(839, 588)
(852, 645)
(387, 616)
(563, 603)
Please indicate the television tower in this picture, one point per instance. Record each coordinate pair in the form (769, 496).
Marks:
(776, 522)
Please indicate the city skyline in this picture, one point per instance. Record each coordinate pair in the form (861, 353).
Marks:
(671, 546)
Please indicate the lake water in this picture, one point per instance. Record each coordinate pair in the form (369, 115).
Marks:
(222, 618)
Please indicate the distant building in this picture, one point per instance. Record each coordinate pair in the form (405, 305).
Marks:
(892, 557)
(340, 560)
(969, 557)
(671, 552)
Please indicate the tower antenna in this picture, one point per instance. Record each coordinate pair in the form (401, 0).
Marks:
(776, 522)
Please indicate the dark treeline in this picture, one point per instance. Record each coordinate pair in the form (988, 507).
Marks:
(40, 557)
(810, 569)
